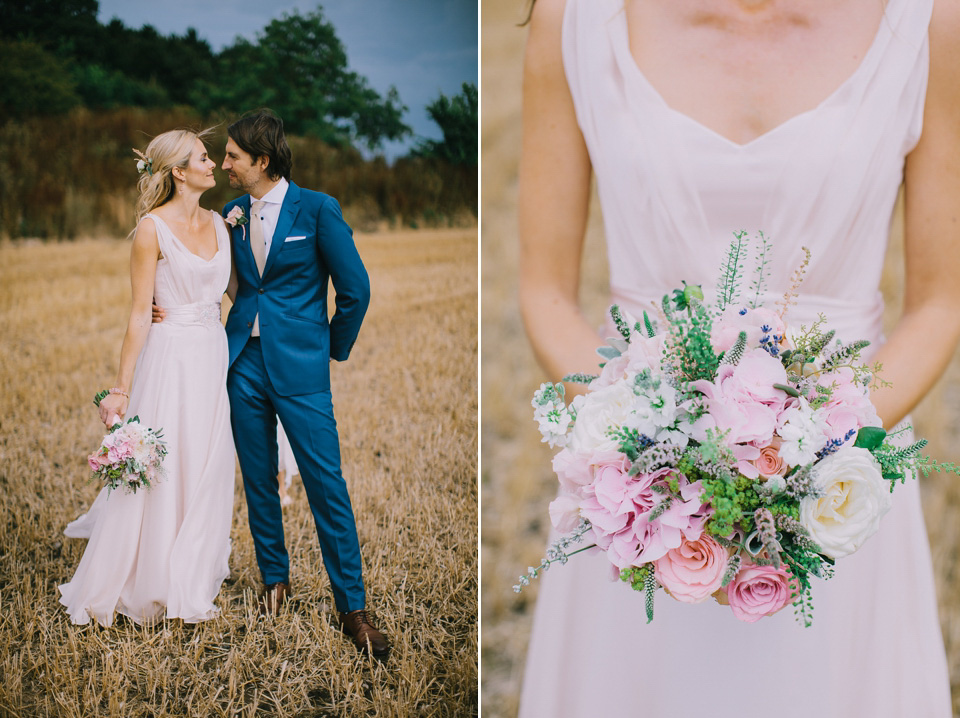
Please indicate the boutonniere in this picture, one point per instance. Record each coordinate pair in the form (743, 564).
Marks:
(235, 217)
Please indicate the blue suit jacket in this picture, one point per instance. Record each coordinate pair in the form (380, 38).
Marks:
(311, 245)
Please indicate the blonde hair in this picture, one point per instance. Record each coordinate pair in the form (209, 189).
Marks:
(166, 151)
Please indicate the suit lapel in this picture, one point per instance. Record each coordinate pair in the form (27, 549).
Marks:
(288, 213)
(241, 233)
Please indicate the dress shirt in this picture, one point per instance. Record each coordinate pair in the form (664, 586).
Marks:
(270, 212)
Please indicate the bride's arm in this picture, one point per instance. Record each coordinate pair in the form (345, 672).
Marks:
(233, 283)
(925, 338)
(553, 203)
(143, 270)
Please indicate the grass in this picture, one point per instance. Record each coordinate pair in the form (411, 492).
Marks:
(516, 480)
(406, 406)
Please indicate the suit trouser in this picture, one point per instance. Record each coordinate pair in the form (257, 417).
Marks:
(312, 430)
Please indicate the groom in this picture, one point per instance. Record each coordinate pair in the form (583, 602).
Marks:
(293, 242)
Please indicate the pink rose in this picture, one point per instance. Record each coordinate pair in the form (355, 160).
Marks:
(233, 216)
(770, 463)
(94, 462)
(758, 591)
(692, 571)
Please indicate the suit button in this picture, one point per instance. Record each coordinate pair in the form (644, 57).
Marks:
(249, 324)
(260, 290)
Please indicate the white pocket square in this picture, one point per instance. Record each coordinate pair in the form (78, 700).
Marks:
(295, 239)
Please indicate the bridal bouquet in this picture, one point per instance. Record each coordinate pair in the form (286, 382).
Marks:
(130, 455)
(721, 452)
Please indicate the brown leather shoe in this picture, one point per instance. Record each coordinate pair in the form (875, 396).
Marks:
(359, 626)
(272, 598)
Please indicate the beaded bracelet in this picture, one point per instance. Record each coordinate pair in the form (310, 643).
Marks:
(121, 392)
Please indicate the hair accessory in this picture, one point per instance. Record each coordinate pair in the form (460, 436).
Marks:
(144, 164)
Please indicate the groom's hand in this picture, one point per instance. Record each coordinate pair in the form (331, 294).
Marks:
(158, 314)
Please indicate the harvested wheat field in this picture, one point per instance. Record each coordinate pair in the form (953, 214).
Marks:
(407, 413)
(517, 483)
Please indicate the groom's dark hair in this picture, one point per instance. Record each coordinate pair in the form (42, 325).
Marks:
(260, 134)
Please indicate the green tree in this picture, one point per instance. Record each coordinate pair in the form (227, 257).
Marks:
(34, 81)
(457, 119)
(64, 27)
(299, 69)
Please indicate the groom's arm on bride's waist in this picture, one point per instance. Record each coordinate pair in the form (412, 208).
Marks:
(339, 253)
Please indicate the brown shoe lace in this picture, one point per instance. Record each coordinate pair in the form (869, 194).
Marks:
(362, 616)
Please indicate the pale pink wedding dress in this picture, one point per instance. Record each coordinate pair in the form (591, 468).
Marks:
(673, 192)
(163, 552)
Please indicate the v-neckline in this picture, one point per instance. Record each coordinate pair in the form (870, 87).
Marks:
(629, 64)
(180, 241)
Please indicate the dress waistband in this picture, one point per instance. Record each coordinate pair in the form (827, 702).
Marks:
(206, 314)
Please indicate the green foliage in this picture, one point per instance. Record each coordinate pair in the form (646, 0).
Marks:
(617, 316)
(457, 117)
(735, 353)
(731, 272)
(310, 87)
(689, 348)
(35, 82)
(102, 88)
(642, 579)
(870, 437)
(760, 271)
(310, 84)
(579, 378)
(648, 325)
(734, 502)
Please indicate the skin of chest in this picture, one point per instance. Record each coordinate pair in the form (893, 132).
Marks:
(742, 69)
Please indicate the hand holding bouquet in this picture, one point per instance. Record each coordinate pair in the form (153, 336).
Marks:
(721, 452)
(130, 455)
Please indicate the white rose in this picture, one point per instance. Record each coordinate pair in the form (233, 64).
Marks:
(597, 412)
(855, 498)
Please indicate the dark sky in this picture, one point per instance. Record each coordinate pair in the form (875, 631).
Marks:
(422, 47)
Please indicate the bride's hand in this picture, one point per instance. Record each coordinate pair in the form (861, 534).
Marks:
(113, 405)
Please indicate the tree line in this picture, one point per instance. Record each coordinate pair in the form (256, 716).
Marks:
(60, 61)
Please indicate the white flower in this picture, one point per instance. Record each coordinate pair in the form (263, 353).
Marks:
(553, 420)
(551, 414)
(804, 433)
(597, 412)
(854, 497)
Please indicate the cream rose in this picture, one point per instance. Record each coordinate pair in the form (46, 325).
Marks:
(596, 413)
(854, 499)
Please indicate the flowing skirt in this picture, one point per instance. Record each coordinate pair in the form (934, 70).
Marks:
(164, 551)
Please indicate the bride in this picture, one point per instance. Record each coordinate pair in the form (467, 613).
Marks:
(164, 551)
(801, 119)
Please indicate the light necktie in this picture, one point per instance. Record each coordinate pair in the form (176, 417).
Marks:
(259, 247)
(257, 242)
